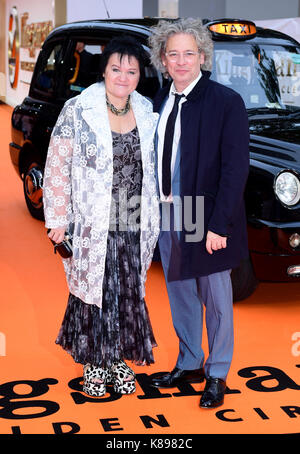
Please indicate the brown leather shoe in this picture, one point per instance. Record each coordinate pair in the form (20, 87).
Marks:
(177, 376)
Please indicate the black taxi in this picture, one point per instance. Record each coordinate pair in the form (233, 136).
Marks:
(262, 65)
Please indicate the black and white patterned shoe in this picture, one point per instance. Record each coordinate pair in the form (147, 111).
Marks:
(123, 378)
(94, 380)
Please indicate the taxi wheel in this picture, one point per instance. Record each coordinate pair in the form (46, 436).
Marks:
(243, 281)
(33, 190)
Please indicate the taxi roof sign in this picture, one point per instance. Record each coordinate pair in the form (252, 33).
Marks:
(232, 28)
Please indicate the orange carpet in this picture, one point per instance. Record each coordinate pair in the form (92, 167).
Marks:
(40, 390)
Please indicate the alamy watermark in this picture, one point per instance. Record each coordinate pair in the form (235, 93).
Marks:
(2, 344)
(181, 214)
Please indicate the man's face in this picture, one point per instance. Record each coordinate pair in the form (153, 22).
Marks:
(80, 46)
(184, 68)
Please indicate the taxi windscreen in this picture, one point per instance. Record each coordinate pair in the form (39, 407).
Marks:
(266, 76)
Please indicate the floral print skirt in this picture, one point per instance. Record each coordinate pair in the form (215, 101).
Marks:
(121, 329)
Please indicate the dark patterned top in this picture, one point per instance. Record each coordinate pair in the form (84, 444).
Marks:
(121, 329)
(127, 181)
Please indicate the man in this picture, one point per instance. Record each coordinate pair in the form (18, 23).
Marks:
(85, 58)
(202, 154)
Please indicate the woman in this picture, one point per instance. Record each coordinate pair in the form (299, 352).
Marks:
(101, 161)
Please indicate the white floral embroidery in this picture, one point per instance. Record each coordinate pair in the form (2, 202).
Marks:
(78, 124)
(65, 170)
(78, 183)
(59, 201)
(70, 111)
(57, 181)
(66, 131)
(91, 150)
(63, 150)
(54, 162)
(84, 137)
(85, 243)
(83, 161)
(77, 149)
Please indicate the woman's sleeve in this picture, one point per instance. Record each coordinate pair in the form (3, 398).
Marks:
(57, 174)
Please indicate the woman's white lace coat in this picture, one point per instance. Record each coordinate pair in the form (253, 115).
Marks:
(78, 185)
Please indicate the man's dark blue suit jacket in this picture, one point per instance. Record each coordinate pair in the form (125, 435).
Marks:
(214, 163)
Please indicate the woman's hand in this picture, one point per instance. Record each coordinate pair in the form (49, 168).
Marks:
(57, 234)
(215, 242)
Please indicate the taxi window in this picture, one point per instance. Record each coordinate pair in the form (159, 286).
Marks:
(288, 74)
(264, 75)
(48, 71)
(83, 69)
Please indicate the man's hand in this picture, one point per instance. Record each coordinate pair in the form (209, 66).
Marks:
(57, 234)
(215, 242)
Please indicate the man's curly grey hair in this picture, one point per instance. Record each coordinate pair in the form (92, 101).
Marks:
(164, 29)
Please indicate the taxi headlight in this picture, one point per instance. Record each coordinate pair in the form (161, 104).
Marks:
(287, 188)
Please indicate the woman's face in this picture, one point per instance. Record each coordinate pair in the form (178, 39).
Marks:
(121, 76)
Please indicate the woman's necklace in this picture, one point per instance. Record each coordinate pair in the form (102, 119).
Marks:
(118, 111)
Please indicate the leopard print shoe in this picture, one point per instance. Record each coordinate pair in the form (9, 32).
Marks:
(123, 378)
(94, 380)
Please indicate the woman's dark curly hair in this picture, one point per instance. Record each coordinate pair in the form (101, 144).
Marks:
(125, 45)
